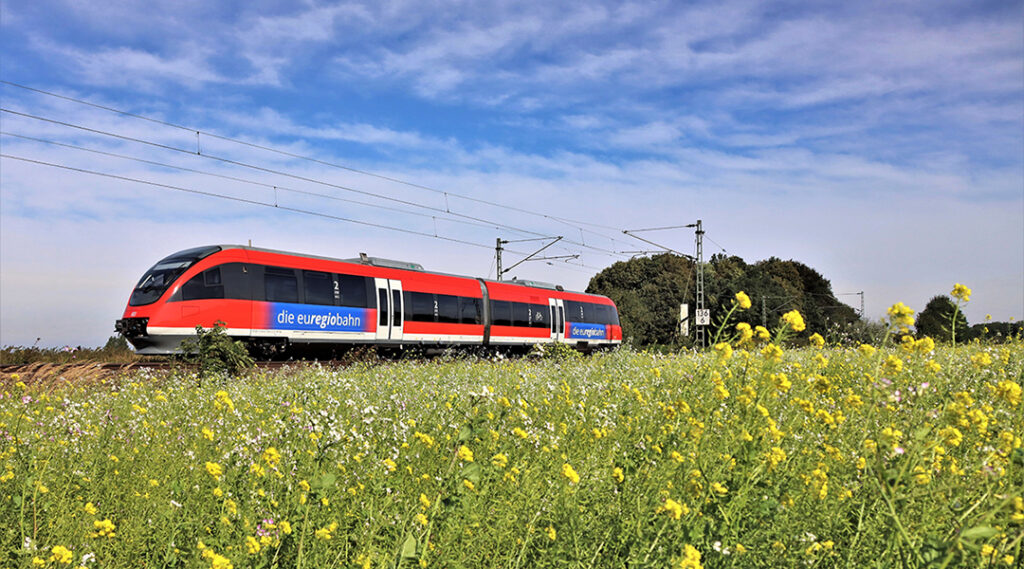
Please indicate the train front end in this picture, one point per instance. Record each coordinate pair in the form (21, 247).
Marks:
(144, 321)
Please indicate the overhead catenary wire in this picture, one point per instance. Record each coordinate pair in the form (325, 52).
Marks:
(259, 168)
(569, 266)
(490, 223)
(567, 221)
(242, 180)
(246, 200)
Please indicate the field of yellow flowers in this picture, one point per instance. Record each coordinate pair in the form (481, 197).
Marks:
(748, 455)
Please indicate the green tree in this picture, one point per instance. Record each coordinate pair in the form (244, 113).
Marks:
(649, 290)
(937, 317)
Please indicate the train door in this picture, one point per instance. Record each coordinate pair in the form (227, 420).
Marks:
(557, 319)
(390, 310)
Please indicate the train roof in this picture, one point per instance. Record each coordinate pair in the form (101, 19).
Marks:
(364, 259)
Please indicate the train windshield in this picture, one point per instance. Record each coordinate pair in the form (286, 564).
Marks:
(157, 279)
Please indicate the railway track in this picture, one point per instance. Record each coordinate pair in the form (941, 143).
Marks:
(91, 372)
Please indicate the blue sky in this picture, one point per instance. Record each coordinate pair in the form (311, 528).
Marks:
(882, 143)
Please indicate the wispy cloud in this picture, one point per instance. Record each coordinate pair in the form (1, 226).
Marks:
(820, 131)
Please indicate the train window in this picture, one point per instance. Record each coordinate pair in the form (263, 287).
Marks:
(601, 314)
(608, 314)
(353, 290)
(539, 315)
(447, 308)
(521, 314)
(203, 286)
(419, 307)
(469, 310)
(318, 287)
(396, 308)
(235, 280)
(382, 307)
(280, 285)
(501, 313)
(574, 311)
(212, 277)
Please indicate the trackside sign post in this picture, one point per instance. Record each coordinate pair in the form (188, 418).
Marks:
(703, 316)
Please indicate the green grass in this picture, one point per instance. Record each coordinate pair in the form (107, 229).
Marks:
(854, 464)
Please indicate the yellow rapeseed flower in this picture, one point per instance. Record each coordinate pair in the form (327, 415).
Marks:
(893, 364)
(816, 340)
(214, 470)
(1010, 391)
(961, 292)
(781, 381)
(499, 460)
(552, 534)
(775, 456)
(981, 359)
(675, 510)
(220, 562)
(745, 332)
(901, 316)
(325, 533)
(724, 350)
(907, 343)
(691, 557)
(924, 345)
(951, 435)
(742, 300)
(618, 475)
(222, 401)
(794, 320)
(61, 554)
(465, 454)
(272, 457)
(772, 353)
(569, 472)
(104, 528)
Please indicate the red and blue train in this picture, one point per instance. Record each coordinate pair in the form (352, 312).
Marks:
(279, 303)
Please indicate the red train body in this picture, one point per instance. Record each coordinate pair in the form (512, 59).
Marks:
(277, 301)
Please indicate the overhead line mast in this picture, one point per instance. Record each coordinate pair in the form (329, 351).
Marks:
(701, 313)
(700, 282)
(498, 249)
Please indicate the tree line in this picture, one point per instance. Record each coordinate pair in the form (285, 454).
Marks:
(649, 290)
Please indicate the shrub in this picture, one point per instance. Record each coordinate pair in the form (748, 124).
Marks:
(215, 353)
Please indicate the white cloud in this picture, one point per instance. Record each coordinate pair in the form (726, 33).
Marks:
(137, 69)
(852, 137)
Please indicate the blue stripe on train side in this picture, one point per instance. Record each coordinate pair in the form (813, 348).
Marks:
(581, 331)
(288, 316)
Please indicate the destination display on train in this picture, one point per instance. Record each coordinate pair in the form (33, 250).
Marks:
(288, 316)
